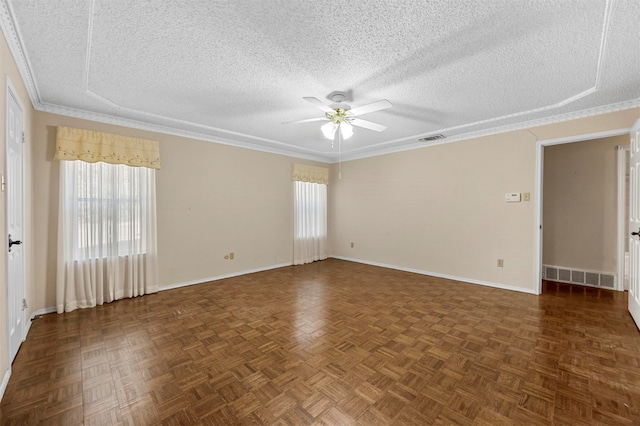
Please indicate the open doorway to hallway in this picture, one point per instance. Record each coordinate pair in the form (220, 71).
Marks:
(580, 213)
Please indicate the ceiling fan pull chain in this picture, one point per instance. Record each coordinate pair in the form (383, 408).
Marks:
(339, 154)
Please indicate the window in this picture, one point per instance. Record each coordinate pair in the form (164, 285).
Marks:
(107, 234)
(109, 203)
(310, 222)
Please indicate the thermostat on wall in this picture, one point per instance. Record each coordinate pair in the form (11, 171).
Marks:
(512, 197)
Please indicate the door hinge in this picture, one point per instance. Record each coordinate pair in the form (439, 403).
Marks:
(24, 304)
(22, 137)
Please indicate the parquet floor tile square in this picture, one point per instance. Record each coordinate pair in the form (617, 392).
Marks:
(333, 343)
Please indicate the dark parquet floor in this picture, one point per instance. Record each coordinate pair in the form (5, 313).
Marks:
(333, 343)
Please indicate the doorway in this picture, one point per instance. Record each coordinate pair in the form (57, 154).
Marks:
(601, 277)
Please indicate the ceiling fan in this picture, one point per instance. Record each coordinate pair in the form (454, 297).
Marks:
(341, 116)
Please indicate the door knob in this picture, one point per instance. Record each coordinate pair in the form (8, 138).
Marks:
(636, 233)
(11, 242)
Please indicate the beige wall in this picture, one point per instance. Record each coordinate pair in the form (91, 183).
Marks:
(580, 204)
(8, 70)
(212, 199)
(441, 209)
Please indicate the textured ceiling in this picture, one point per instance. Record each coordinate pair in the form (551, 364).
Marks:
(233, 71)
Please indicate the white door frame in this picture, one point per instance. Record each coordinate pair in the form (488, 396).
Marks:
(10, 91)
(634, 221)
(538, 190)
(622, 152)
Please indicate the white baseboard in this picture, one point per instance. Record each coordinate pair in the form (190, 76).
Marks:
(27, 328)
(35, 314)
(5, 382)
(222, 277)
(47, 310)
(439, 275)
(51, 309)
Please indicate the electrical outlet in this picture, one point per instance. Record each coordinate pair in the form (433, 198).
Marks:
(232, 255)
(352, 245)
(500, 263)
(526, 196)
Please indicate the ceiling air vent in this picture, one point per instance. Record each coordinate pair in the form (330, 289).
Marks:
(432, 138)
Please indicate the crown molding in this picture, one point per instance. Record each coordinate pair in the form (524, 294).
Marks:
(524, 125)
(345, 156)
(140, 125)
(14, 41)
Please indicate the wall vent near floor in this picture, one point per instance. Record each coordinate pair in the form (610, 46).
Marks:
(579, 276)
(551, 273)
(607, 280)
(592, 279)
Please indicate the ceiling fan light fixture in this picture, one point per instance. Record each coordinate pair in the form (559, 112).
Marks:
(347, 130)
(341, 116)
(329, 130)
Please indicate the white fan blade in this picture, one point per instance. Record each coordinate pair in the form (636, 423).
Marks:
(317, 102)
(368, 124)
(376, 106)
(308, 120)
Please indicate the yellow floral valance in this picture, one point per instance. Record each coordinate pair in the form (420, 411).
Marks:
(92, 146)
(313, 174)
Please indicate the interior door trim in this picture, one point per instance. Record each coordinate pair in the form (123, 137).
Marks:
(538, 220)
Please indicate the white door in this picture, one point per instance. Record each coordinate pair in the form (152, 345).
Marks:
(15, 253)
(634, 224)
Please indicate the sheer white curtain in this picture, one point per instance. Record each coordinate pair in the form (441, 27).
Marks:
(107, 248)
(310, 221)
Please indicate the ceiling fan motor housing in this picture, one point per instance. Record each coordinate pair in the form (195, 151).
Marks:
(341, 115)
(338, 97)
